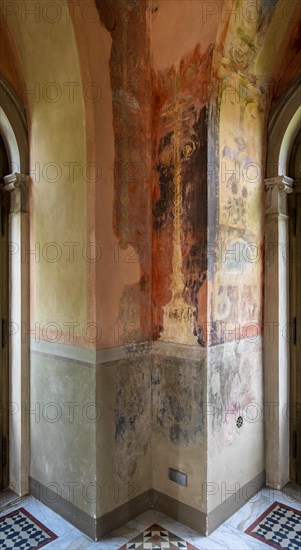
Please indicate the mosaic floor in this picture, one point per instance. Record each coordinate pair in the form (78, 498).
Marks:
(157, 538)
(254, 517)
(279, 526)
(19, 529)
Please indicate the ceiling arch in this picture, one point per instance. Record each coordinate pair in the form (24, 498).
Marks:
(284, 125)
(13, 128)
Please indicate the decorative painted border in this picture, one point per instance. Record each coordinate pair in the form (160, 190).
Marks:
(88, 356)
(34, 520)
(103, 357)
(262, 517)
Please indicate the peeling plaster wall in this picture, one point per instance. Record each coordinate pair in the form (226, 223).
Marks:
(124, 435)
(216, 300)
(180, 200)
(179, 136)
(110, 134)
(123, 225)
(182, 47)
(179, 425)
(128, 24)
(182, 85)
(237, 156)
(235, 391)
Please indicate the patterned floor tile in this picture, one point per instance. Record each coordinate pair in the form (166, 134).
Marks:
(19, 529)
(157, 538)
(279, 526)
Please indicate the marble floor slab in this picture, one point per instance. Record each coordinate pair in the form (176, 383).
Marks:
(229, 536)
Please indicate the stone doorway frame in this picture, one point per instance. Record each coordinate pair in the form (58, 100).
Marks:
(13, 128)
(284, 124)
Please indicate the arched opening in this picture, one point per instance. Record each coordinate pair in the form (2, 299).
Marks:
(294, 205)
(4, 316)
(284, 124)
(13, 131)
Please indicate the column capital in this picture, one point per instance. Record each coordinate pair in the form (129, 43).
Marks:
(17, 185)
(15, 181)
(276, 190)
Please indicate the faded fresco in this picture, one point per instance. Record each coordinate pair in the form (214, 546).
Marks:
(132, 417)
(239, 253)
(178, 397)
(239, 164)
(180, 126)
(204, 103)
(187, 140)
(235, 263)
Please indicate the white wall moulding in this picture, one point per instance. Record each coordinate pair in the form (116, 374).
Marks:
(276, 348)
(13, 130)
(17, 185)
(284, 124)
(14, 181)
(276, 189)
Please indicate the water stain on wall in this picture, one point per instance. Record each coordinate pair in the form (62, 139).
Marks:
(178, 400)
(231, 394)
(132, 415)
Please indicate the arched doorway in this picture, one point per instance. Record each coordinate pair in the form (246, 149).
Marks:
(15, 152)
(294, 204)
(284, 125)
(4, 318)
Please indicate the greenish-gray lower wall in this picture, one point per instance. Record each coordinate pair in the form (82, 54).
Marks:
(124, 438)
(63, 421)
(179, 423)
(90, 425)
(235, 419)
(107, 426)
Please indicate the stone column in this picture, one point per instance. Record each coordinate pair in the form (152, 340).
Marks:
(276, 334)
(16, 184)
